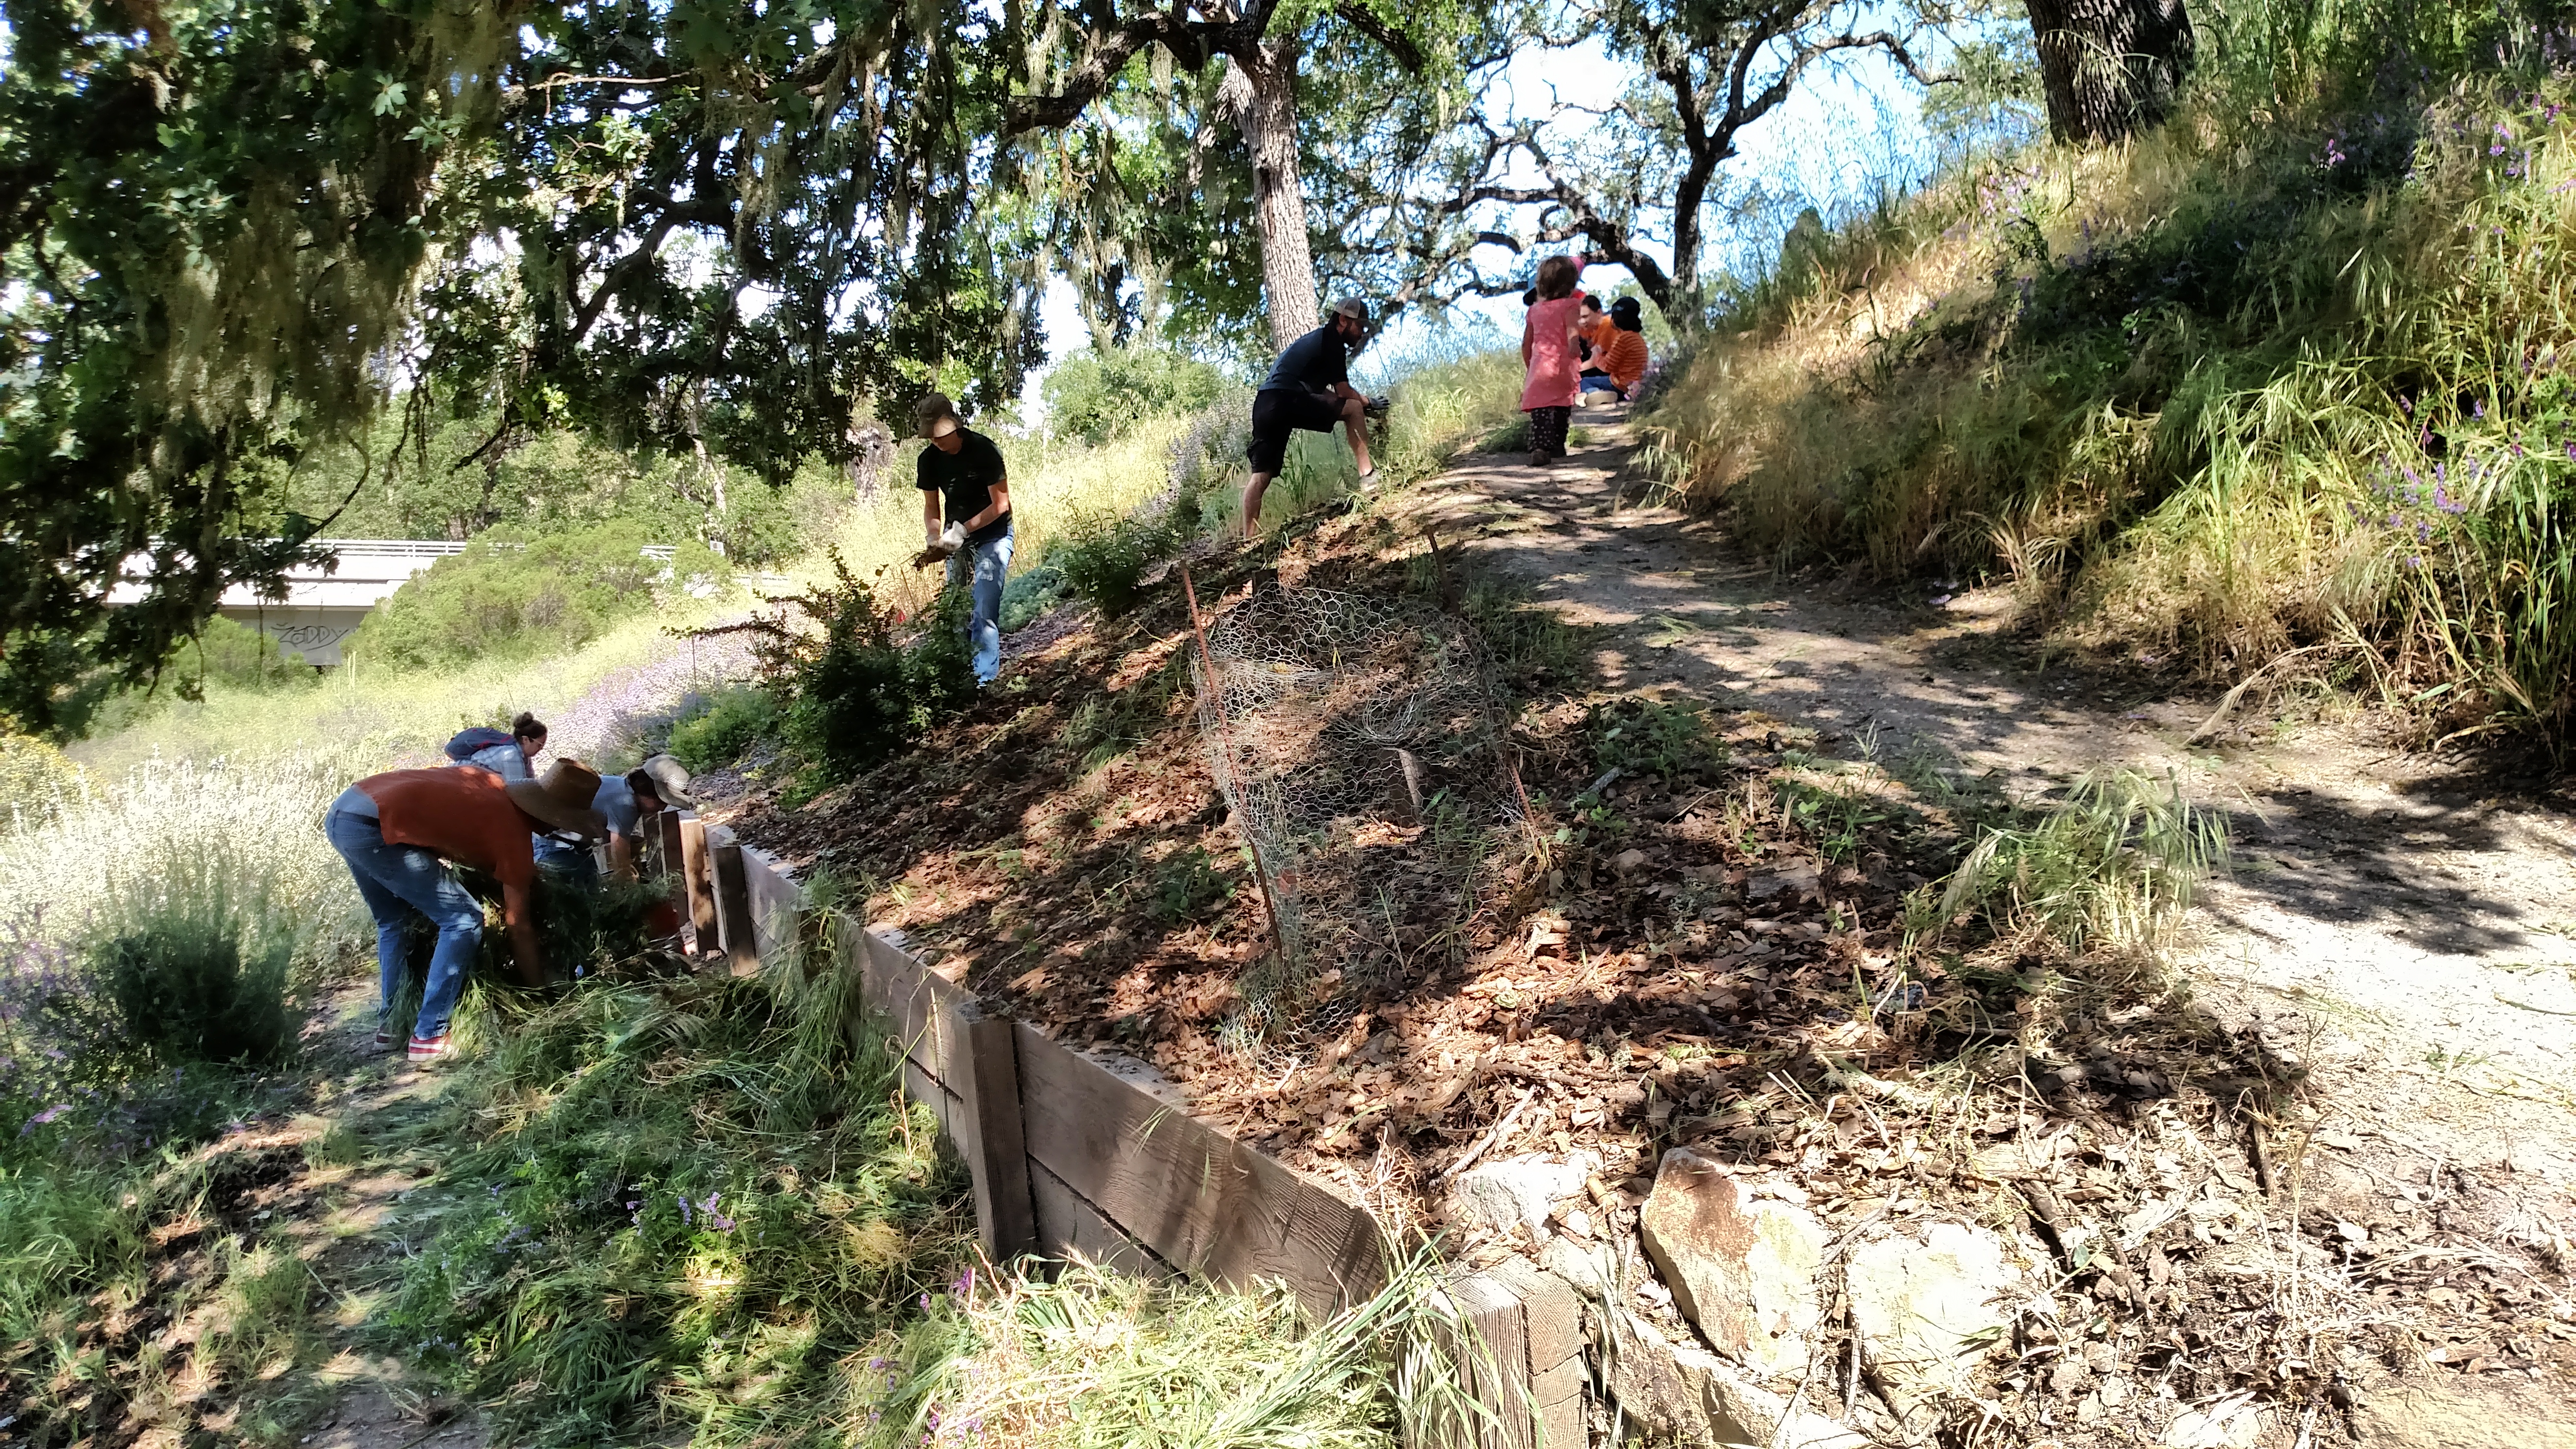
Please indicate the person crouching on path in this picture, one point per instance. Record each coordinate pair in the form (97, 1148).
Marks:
(399, 830)
(504, 754)
(964, 470)
(1547, 351)
(1619, 357)
(1309, 390)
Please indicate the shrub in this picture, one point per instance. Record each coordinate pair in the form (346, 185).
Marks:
(857, 692)
(1104, 559)
(508, 595)
(190, 983)
(723, 727)
(35, 778)
(1097, 396)
(1027, 597)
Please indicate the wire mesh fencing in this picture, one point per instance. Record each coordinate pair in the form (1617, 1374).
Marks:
(1360, 746)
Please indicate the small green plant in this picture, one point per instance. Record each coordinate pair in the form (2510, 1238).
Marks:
(1104, 560)
(2113, 866)
(1511, 437)
(722, 727)
(1188, 887)
(1650, 737)
(1031, 594)
(858, 691)
(192, 977)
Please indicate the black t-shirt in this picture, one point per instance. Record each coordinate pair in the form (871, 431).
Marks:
(1312, 363)
(965, 480)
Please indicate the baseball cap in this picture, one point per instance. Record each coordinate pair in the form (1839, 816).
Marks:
(1353, 308)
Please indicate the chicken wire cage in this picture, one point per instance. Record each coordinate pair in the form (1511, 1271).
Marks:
(1359, 744)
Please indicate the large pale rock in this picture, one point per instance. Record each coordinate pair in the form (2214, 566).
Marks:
(1742, 1268)
(1694, 1397)
(1928, 1308)
(2445, 1412)
(1516, 1194)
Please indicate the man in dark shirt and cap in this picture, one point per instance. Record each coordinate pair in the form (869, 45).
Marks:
(962, 472)
(1309, 390)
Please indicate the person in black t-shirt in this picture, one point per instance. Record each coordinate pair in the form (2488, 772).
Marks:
(1309, 389)
(963, 473)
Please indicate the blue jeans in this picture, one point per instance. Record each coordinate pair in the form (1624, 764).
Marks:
(989, 561)
(395, 881)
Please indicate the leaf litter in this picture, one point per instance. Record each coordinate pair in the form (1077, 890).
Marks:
(1699, 932)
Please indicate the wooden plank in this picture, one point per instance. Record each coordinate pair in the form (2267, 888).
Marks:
(779, 920)
(698, 888)
(733, 902)
(1202, 1201)
(663, 832)
(1067, 1225)
(916, 1000)
(1495, 1359)
(998, 1160)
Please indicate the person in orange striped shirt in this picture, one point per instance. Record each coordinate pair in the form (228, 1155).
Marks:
(1619, 358)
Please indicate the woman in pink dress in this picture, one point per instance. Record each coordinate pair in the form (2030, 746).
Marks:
(1548, 352)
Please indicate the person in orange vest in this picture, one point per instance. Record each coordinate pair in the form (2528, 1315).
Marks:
(398, 831)
(1619, 356)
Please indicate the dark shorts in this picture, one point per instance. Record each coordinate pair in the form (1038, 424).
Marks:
(1279, 411)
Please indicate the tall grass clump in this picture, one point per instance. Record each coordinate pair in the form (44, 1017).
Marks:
(1092, 1359)
(2111, 868)
(2291, 369)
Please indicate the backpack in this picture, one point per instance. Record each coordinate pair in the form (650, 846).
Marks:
(469, 743)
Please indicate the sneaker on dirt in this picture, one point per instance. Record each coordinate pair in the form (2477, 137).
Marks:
(430, 1048)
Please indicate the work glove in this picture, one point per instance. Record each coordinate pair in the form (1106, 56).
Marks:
(940, 548)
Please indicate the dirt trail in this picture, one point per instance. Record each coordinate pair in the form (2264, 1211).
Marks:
(2405, 926)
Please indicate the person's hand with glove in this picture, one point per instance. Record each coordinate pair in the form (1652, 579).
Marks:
(941, 547)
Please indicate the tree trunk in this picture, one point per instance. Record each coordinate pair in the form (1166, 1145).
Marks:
(1262, 88)
(2109, 66)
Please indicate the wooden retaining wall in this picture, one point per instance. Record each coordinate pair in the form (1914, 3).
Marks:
(1067, 1154)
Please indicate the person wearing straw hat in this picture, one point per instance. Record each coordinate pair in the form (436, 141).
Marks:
(1309, 390)
(398, 831)
(963, 472)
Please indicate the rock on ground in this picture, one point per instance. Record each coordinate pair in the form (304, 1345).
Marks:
(1926, 1310)
(1505, 1198)
(1743, 1269)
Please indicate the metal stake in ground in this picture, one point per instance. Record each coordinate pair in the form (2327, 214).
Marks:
(1225, 742)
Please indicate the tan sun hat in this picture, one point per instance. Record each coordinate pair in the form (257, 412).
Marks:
(561, 801)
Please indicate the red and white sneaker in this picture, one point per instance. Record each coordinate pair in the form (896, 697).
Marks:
(430, 1048)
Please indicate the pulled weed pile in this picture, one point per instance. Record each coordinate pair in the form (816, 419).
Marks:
(678, 1204)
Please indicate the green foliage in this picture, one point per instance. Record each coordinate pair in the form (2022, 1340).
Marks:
(1103, 559)
(508, 596)
(722, 727)
(1187, 887)
(857, 691)
(1031, 593)
(692, 1202)
(1097, 396)
(2243, 386)
(219, 217)
(2114, 866)
(1090, 1358)
(1639, 736)
(35, 778)
(186, 992)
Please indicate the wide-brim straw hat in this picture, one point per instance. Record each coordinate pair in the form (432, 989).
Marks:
(561, 801)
